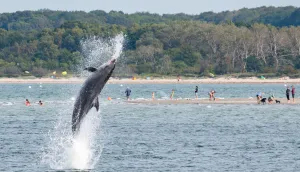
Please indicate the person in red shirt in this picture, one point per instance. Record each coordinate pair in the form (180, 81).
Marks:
(293, 93)
(27, 103)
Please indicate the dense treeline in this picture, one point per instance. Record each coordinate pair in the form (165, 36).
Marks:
(194, 47)
(37, 20)
(169, 44)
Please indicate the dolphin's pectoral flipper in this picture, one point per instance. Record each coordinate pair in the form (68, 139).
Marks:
(96, 103)
(90, 69)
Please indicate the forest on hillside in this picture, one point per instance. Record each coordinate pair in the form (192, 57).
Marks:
(260, 40)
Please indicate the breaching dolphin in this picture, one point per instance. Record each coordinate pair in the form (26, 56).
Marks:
(88, 95)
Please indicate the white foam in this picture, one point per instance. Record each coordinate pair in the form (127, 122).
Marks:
(7, 103)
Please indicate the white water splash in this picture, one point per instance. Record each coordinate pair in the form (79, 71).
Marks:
(82, 152)
(85, 149)
(97, 51)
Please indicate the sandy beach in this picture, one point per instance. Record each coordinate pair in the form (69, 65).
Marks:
(156, 81)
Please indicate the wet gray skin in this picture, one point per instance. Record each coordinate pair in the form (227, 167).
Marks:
(88, 95)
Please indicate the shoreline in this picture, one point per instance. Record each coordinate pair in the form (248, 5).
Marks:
(153, 81)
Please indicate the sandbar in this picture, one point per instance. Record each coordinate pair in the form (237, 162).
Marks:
(220, 80)
(206, 101)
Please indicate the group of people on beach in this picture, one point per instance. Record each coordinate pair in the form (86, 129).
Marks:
(271, 98)
(27, 103)
(288, 91)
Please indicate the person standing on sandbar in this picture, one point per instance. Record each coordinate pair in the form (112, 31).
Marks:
(196, 92)
(293, 93)
(172, 94)
(287, 92)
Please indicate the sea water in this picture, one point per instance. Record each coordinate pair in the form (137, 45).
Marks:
(139, 137)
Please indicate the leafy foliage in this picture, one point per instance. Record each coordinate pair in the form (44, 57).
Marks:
(233, 41)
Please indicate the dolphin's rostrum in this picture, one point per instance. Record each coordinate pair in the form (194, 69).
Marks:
(88, 95)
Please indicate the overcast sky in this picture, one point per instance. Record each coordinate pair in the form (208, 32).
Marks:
(132, 6)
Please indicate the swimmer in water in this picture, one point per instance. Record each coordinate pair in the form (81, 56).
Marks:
(153, 96)
(27, 103)
(127, 92)
(40, 103)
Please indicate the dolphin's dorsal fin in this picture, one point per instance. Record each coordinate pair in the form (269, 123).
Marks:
(90, 69)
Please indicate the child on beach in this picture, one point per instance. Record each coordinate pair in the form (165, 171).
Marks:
(212, 95)
(258, 97)
(178, 78)
(271, 98)
(172, 94)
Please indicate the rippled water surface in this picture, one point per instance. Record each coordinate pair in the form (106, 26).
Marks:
(139, 137)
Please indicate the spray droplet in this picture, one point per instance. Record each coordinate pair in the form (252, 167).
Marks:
(29, 86)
